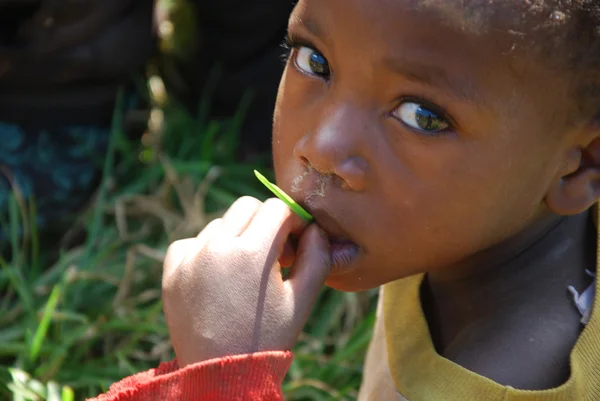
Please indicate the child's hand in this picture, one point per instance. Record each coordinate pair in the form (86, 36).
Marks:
(223, 291)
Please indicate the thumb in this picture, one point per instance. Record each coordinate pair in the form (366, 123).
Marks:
(310, 269)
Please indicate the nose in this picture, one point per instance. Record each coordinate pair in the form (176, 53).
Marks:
(338, 146)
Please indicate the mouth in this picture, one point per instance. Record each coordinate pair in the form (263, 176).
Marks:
(344, 251)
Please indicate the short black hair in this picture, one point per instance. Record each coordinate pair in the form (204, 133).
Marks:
(587, 59)
(564, 34)
(576, 47)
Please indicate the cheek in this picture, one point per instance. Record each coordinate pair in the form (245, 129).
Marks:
(449, 204)
(294, 117)
(282, 143)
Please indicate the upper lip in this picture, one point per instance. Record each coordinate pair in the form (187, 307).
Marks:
(319, 210)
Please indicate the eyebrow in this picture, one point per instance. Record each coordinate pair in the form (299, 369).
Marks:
(307, 23)
(425, 74)
(435, 77)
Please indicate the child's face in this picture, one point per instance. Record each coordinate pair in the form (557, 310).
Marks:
(419, 137)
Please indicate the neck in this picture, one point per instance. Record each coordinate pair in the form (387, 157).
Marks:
(530, 265)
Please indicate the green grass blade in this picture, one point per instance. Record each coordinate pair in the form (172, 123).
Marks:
(42, 329)
(117, 125)
(284, 197)
(12, 349)
(35, 246)
(19, 285)
(331, 305)
(14, 219)
(54, 361)
(67, 394)
(208, 141)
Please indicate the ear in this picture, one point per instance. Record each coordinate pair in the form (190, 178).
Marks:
(579, 187)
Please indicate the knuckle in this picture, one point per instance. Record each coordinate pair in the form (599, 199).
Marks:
(169, 261)
(219, 246)
(176, 255)
(168, 282)
(278, 206)
(247, 202)
(274, 202)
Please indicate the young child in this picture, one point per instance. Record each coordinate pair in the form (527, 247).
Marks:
(450, 153)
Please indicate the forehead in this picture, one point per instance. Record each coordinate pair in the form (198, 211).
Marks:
(513, 31)
(490, 49)
(515, 22)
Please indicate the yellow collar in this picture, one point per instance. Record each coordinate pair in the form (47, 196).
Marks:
(421, 374)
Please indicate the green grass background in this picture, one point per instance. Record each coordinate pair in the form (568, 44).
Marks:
(75, 320)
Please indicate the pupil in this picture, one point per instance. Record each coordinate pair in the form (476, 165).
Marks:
(318, 64)
(429, 121)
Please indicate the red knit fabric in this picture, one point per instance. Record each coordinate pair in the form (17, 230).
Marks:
(242, 377)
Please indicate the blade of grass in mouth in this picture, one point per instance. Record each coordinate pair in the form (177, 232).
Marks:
(296, 208)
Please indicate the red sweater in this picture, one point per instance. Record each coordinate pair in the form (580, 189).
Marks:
(242, 377)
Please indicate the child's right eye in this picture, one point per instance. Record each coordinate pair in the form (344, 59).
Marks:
(311, 62)
(421, 117)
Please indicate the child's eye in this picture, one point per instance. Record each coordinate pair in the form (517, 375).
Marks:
(418, 116)
(312, 62)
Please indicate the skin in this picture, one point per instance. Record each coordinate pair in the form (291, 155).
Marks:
(233, 265)
(493, 210)
(404, 196)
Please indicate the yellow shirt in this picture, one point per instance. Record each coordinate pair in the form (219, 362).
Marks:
(403, 365)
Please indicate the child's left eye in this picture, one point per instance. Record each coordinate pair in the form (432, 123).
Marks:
(419, 117)
(312, 62)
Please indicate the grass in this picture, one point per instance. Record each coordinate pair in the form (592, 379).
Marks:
(73, 324)
(299, 210)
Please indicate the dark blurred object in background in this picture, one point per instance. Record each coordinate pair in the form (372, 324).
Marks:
(240, 40)
(62, 62)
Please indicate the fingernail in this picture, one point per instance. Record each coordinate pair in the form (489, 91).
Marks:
(323, 234)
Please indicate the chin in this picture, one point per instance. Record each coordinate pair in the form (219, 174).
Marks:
(350, 283)
(361, 276)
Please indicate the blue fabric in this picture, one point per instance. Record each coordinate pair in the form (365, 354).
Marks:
(58, 167)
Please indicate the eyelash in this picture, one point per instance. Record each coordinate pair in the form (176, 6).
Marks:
(291, 43)
(288, 46)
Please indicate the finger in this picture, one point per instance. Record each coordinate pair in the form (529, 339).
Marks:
(240, 214)
(181, 251)
(272, 225)
(208, 232)
(176, 253)
(288, 255)
(310, 269)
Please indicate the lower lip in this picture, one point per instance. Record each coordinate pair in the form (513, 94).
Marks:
(343, 254)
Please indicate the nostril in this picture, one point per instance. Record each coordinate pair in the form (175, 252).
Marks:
(304, 161)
